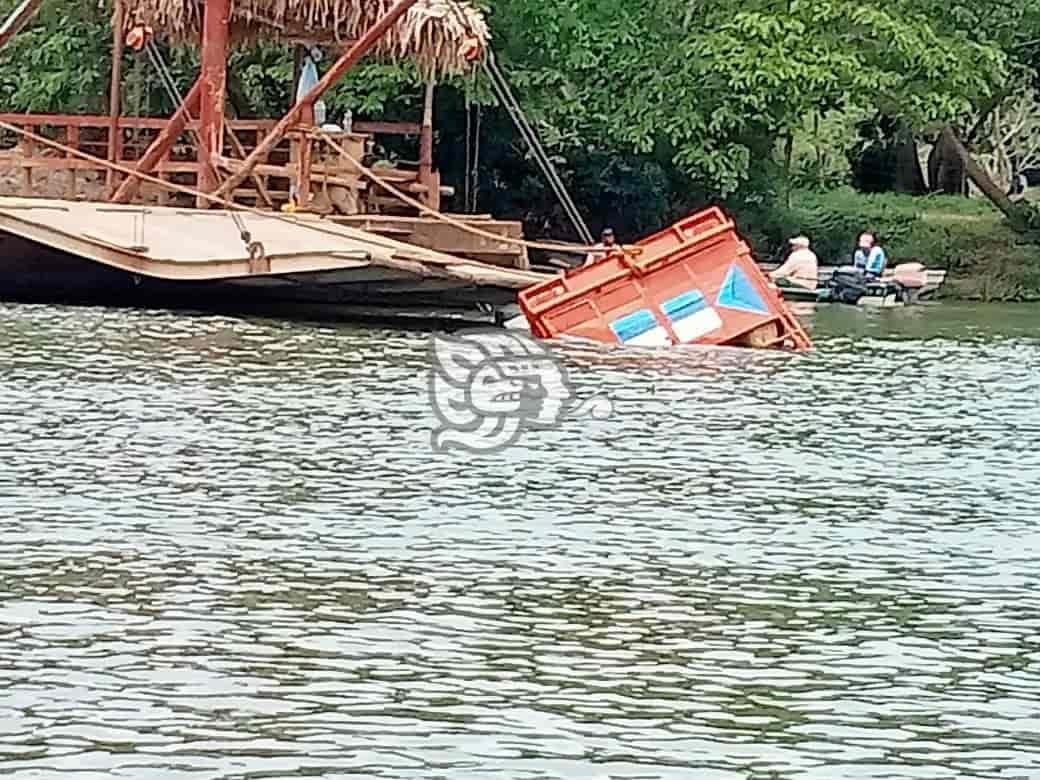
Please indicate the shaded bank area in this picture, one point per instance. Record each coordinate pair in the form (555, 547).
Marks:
(986, 260)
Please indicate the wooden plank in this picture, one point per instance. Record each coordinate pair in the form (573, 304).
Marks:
(125, 122)
(388, 128)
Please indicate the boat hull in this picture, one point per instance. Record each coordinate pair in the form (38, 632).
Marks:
(30, 273)
(68, 252)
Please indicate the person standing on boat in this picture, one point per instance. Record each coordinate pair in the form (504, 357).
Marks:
(606, 245)
(869, 257)
(802, 266)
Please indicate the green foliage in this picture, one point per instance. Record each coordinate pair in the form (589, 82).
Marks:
(718, 90)
(60, 63)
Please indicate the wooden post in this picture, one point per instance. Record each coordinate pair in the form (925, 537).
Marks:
(72, 141)
(334, 74)
(304, 179)
(115, 102)
(27, 171)
(430, 197)
(213, 76)
(161, 145)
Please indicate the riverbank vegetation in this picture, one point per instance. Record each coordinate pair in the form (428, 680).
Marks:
(816, 116)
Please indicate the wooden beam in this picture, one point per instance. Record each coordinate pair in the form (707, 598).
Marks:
(115, 102)
(388, 128)
(16, 22)
(432, 197)
(161, 145)
(334, 74)
(215, 26)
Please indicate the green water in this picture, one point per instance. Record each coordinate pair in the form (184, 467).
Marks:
(228, 551)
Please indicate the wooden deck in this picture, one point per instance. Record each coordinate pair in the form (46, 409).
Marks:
(336, 188)
(204, 248)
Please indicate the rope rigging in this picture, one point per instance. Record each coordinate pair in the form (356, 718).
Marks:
(255, 248)
(505, 95)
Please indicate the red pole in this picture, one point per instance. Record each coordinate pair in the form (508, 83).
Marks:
(115, 103)
(161, 145)
(215, 22)
(334, 74)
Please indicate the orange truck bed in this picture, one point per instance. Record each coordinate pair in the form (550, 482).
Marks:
(694, 283)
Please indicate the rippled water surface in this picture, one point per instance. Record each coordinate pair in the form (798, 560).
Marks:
(228, 550)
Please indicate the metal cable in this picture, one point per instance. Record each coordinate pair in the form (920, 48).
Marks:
(502, 91)
(373, 176)
(170, 84)
(501, 88)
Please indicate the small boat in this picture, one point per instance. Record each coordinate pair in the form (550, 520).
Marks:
(904, 285)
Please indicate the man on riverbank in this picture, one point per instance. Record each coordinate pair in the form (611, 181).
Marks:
(802, 266)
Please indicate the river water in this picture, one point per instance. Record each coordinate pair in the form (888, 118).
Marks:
(229, 551)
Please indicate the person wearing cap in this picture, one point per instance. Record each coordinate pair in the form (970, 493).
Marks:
(869, 257)
(605, 246)
(802, 266)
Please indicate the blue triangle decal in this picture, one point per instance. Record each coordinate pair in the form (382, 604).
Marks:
(738, 293)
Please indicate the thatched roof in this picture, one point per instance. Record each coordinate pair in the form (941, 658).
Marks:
(432, 33)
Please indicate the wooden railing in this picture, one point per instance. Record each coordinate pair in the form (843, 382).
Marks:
(291, 164)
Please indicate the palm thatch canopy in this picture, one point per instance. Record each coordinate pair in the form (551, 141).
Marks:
(433, 33)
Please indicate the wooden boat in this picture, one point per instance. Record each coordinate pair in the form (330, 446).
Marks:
(884, 293)
(64, 251)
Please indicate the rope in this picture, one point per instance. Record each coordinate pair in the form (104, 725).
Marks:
(369, 174)
(255, 249)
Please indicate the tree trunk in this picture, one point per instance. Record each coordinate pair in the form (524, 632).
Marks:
(909, 178)
(946, 169)
(788, 155)
(986, 185)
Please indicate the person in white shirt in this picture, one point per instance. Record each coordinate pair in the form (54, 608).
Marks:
(802, 266)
